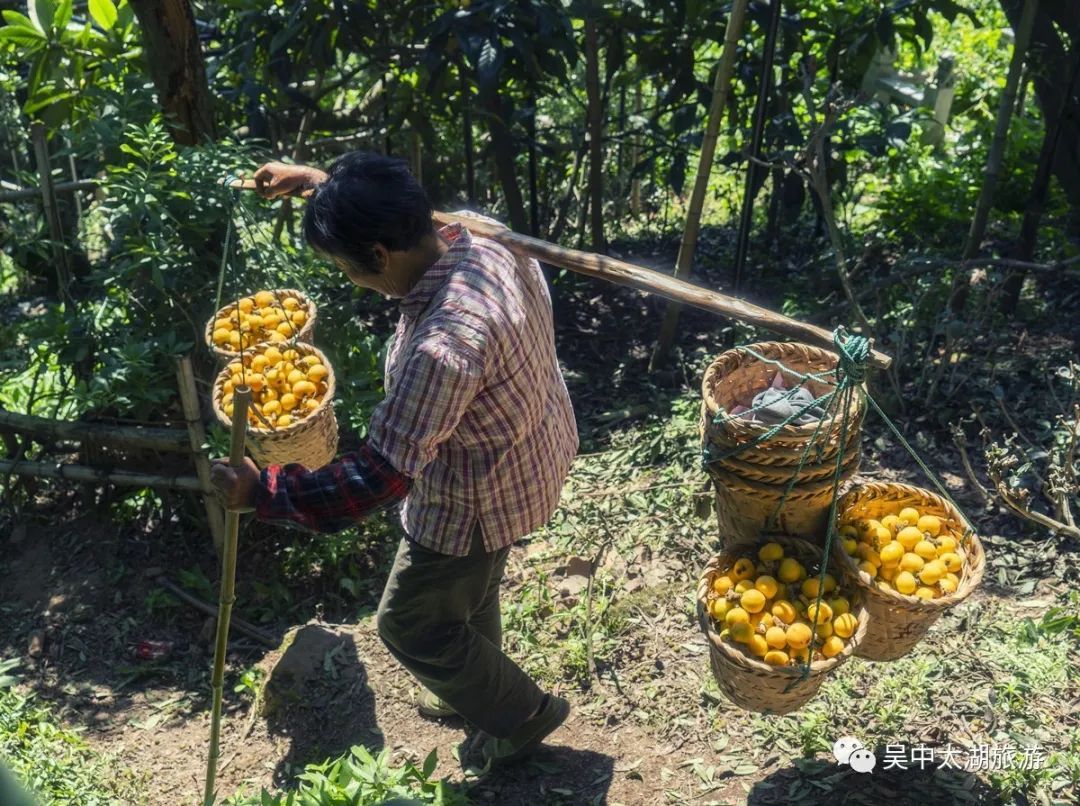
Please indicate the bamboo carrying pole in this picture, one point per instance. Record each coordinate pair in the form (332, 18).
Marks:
(241, 401)
(653, 282)
(683, 264)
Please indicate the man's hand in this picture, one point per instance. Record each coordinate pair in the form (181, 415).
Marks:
(278, 179)
(236, 485)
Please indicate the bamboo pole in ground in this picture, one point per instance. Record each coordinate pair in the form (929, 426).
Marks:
(652, 282)
(685, 261)
(74, 472)
(189, 399)
(52, 211)
(241, 401)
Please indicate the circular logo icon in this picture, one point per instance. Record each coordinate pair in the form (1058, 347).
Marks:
(844, 746)
(862, 760)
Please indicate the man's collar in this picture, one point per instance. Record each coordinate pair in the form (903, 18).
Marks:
(459, 240)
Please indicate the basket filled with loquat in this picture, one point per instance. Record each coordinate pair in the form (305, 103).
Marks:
(291, 417)
(913, 555)
(278, 316)
(767, 613)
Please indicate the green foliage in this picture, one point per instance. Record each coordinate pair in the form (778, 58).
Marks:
(53, 761)
(360, 779)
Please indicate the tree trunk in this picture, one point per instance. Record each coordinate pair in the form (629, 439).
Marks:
(175, 59)
(746, 218)
(505, 153)
(635, 157)
(1055, 32)
(1001, 131)
(1040, 189)
(467, 134)
(961, 282)
(685, 260)
(534, 190)
(595, 132)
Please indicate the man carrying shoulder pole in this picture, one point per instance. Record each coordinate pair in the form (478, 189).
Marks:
(475, 436)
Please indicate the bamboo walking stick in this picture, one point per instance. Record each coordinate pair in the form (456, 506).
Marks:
(653, 282)
(241, 401)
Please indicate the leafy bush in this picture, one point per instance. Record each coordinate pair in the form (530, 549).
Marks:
(361, 779)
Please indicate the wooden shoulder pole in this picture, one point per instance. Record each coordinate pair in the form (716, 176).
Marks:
(241, 401)
(652, 282)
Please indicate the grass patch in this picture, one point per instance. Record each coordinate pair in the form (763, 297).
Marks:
(53, 761)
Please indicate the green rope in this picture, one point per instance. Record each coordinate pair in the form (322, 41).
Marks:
(228, 240)
(918, 459)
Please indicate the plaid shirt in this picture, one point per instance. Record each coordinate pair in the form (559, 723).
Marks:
(476, 415)
(330, 498)
(476, 411)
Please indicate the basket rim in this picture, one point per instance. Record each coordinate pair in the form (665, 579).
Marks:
(970, 542)
(799, 492)
(229, 355)
(772, 350)
(741, 658)
(265, 433)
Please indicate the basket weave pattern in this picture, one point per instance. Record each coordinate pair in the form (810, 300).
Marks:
(898, 622)
(306, 333)
(749, 682)
(311, 441)
(750, 485)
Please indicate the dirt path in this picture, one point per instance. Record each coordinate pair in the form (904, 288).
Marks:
(355, 693)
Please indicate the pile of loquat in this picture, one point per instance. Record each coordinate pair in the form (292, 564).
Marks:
(287, 385)
(768, 608)
(907, 552)
(263, 317)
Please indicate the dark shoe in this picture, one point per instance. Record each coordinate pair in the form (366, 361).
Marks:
(430, 704)
(485, 752)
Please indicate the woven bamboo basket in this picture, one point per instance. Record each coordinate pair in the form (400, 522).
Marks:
(737, 375)
(899, 622)
(311, 441)
(818, 465)
(306, 333)
(751, 683)
(750, 484)
(744, 508)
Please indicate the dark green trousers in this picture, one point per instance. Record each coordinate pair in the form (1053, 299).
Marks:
(439, 616)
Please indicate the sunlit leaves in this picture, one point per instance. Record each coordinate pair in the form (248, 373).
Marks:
(104, 13)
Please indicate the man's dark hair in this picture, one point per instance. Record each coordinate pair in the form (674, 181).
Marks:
(367, 199)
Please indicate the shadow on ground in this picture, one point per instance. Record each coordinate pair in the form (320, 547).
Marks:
(812, 781)
(317, 696)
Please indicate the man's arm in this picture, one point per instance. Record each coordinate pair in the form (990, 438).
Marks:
(280, 179)
(328, 499)
(333, 497)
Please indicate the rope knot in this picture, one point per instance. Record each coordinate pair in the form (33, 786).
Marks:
(854, 352)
